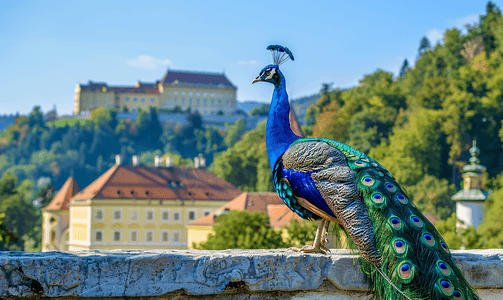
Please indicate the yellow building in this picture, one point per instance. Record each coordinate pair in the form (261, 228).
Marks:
(207, 93)
(141, 207)
(279, 214)
(55, 221)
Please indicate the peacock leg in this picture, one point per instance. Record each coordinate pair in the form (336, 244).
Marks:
(317, 246)
(325, 232)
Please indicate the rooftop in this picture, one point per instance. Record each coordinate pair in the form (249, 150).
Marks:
(63, 196)
(176, 77)
(163, 183)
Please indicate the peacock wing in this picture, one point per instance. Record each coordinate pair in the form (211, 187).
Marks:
(319, 173)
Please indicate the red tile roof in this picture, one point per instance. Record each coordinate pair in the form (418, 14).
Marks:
(62, 198)
(196, 78)
(271, 203)
(163, 183)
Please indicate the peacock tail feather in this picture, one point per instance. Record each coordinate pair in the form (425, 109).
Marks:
(414, 255)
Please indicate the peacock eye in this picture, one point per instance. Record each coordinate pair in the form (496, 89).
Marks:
(268, 73)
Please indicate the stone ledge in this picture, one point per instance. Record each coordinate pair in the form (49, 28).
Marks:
(196, 274)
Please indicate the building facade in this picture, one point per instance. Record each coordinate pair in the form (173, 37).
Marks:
(141, 207)
(207, 93)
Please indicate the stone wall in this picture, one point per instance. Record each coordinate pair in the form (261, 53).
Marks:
(195, 274)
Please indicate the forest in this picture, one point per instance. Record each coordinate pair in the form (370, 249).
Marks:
(419, 125)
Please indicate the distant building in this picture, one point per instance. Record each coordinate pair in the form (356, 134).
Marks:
(279, 214)
(470, 200)
(143, 207)
(207, 93)
(55, 218)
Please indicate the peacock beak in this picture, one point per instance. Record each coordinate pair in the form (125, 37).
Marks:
(256, 79)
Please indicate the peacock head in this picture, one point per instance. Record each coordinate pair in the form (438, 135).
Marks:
(271, 73)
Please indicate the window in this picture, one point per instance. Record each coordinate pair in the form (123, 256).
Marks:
(133, 213)
(219, 103)
(197, 102)
(117, 235)
(219, 95)
(212, 95)
(183, 101)
(150, 215)
(98, 235)
(206, 212)
(99, 214)
(227, 103)
(149, 235)
(117, 214)
(152, 99)
(133, 235)
(165, 236)
(205, 102)
(176, 216)
(135, 99)
(117, 98)
(175, 101)
(205, 94)
(165, 215)
(142, 99)
(192, 215)
(212, 102)
(183, 93)
(190, 93)
(176, 237)
(190, 102)
(176, 93)
(127, 98)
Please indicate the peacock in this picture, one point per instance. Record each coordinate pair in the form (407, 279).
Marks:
(401, 253)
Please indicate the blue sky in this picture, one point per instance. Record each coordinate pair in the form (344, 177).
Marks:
(47, 47)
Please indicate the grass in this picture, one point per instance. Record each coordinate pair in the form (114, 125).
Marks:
(69, 122)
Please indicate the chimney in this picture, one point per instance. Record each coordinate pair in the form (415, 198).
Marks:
(169, 161)
(196, 162)
(157, 161)
(118, 159)
(135, 160)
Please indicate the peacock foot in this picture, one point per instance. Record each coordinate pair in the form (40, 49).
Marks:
(311, 249)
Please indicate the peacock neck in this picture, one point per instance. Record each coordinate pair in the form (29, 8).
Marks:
(279, 135)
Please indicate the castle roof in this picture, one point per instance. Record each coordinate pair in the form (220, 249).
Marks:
(163, 183)
(271, 203)
(63, 196)
(188, 78)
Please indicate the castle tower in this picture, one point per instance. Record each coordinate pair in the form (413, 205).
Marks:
(55, 219)
(470, 200)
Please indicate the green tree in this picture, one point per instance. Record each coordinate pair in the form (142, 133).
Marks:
(404, 68)
(243, 230)
(301, 233)
(234, 132)
(262, 110)
(424, 45)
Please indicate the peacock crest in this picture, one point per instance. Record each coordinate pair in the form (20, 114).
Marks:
(280, 54)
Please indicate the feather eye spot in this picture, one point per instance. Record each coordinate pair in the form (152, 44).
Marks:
(416, 221)
(444, 246)
(390, 187)
(428, 239)
(457, 295)
(360, 164)
(377, 198)
(381, 174)
(399, 246)
(395, 223)
(446, 287)
(405, 271)
(412, 204)
(374, 165)
(367, 181)
(365, 159)
(402, 198)
(444, 268)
